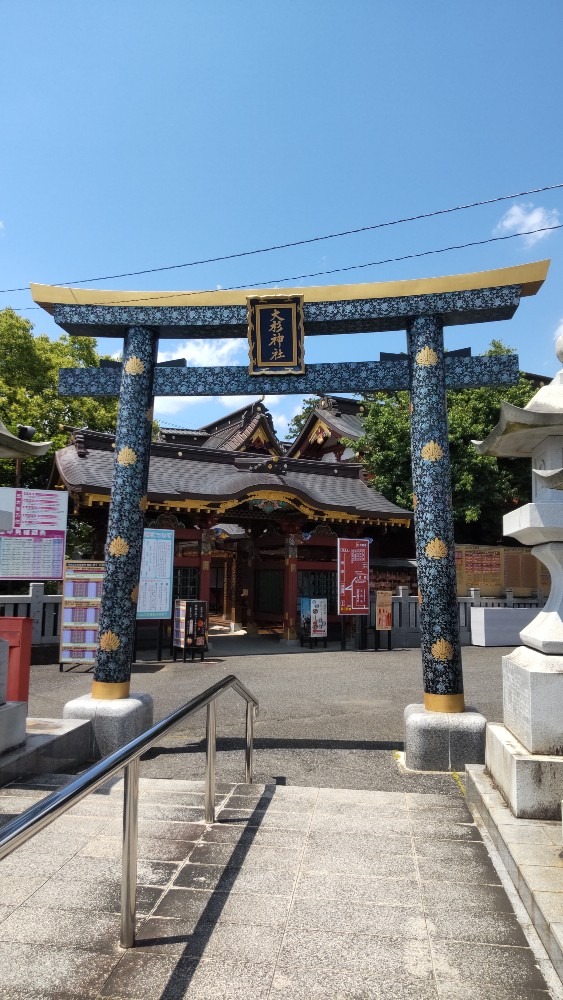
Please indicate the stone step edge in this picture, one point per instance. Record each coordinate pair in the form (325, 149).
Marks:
(484, 796)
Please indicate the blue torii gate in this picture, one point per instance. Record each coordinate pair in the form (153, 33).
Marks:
(421, 307)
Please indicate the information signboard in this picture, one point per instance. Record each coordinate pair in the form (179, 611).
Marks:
(157, 566)
(384, 610)
(313, 618)
(319, 617)
(82, 596)
(353, 576)
(32, 534)
(190, 627)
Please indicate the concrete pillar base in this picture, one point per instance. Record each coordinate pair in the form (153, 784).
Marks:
(13, 715)
(114, 723)
(443, 741)
(532, 784)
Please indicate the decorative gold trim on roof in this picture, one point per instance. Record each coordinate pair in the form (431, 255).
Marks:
(529, 276)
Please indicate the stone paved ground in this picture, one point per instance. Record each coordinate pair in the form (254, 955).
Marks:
(323, 715)
(296, 892)
(338, 877)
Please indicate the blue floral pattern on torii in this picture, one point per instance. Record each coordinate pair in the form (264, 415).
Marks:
(480, 305)
(426, 374)
(127, 508)
(347, 376)
(433, 513)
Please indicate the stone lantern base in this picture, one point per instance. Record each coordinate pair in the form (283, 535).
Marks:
(532, 784)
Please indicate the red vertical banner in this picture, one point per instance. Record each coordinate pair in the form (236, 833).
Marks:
(353, 576)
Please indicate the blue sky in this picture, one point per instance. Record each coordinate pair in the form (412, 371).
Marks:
(138, 135)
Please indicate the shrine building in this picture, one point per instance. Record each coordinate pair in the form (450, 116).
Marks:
(256, 521)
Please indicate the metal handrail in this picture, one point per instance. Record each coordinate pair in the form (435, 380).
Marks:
(37, 817)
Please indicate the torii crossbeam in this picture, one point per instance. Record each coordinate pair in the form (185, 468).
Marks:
(423, 308)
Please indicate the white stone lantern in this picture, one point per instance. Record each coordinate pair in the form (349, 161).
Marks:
(525, 756)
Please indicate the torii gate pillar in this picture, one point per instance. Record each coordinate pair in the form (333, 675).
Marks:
(433, 518)
(423, 308)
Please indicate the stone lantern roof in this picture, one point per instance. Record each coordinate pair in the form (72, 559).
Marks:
(15, 447)
(520, 430)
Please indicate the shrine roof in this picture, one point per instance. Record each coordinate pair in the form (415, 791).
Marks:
(387, 305)
(339, 416)
(218, 480)
(233, 432)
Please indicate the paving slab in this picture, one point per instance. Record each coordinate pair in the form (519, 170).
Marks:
(308, 894)
(532, 853)
(339, 876)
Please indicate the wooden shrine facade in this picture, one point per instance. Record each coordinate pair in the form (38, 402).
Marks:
(253, 532)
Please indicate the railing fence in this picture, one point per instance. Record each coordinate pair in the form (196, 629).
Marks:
(45, 612)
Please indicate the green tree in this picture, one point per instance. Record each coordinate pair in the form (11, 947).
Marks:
(483, 488)
(296, 425)
(29, 368)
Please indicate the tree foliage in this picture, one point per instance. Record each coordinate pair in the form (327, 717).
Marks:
(29, 368)
(483, 488)
(297, 424)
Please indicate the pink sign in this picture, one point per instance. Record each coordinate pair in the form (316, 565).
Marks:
(32, 534)
(353, 576)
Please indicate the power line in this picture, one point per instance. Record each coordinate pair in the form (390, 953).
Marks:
(318, 274)
(299, 243)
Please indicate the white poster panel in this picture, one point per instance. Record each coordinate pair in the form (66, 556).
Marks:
(157, 567)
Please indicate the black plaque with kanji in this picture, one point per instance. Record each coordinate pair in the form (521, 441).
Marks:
(275, 334)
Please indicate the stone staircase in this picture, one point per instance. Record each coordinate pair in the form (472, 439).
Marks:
(295, 892)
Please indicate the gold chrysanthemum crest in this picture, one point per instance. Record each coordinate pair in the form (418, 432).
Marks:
(442, 650)
(432, 451)
(144, 503)
(414, 501)
(150, 414)
(126, 456)
(426, 357)
(109, 642)
(135, 594)
(436, 549)
(134, 366)
(118, 547)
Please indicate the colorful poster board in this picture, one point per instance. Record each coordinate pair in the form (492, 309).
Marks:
(319, 617)
(353, 576)
(191, 626)
(384, 610)
(82, 596)
(32, 534)
(313, 617)
(157, 567)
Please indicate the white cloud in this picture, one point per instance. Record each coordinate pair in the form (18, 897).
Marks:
(206, 353)
(559, 330)
(166, 405)
(524, 217)
(281, 423)
(2, 226)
